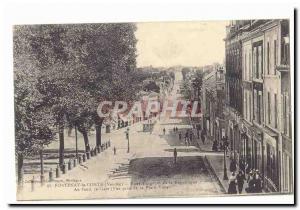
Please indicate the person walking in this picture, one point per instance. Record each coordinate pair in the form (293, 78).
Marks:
(215, 146)
(115, 151)
(191, 137)
(251, 183)
(186, 136)
(232, 184)
(175, 156)
(174, 129)
(203, 136)
(164, 130)
(232, 167)
(240, 181)
(226, 144)
(258, 183)
(179, 135)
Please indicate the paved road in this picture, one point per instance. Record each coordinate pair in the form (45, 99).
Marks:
(148, 170)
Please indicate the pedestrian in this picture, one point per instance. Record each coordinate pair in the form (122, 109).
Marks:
(232, 166)
(242, 165)
(225, 144)
(175, 155)
(191, 137)
(251, 183)
(115, 151)
(88, 147)
(215, 146)
(221, 146)
(179, 135)
(186, 134)
(240, 181)
(164, 130)
(174, 129)
(247, 167)
(203, 136)
(232, 184)
(258, 183)
(249, 175)
(186, 142)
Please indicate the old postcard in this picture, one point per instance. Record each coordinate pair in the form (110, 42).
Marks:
(158, 109)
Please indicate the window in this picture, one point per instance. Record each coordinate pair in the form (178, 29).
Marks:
(268, 160)
(271, 164)
(249, 66)
(260, 105)
(275, 110)
(246, 73)
(255, 74)
(250, 105)
(275, 55)
(245, 104)
(255, 105)
(268, 57)
(269, 108)
(284, 114)
(259, 60)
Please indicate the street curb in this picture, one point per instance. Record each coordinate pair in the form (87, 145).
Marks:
(209, 167)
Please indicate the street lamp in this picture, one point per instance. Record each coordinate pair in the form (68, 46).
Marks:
(76, 142)
(245, 153)
(127, 137)
(225, 177)
(76, 139)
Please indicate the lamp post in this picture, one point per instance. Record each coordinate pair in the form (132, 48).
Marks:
(127, 137)
(42, 166)
(76, 140)
(244, 151)
(225, 177)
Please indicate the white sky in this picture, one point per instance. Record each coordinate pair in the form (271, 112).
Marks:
(180, 43)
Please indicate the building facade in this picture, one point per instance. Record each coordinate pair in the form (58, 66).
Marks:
(263, 128)
(213, 103)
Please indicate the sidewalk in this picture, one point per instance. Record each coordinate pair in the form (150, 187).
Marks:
(217, 165)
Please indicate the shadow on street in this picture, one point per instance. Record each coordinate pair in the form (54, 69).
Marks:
(164, 166)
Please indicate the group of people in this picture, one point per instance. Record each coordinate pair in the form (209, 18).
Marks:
(222, 145)
(237, 181)
(188, 137)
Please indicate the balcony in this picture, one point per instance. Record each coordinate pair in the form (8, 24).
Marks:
(283, 68)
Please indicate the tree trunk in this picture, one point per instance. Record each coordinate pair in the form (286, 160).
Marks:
(85, 135)
(61, 142)
(20, 168)
(69, 131)
(98, 135)
(98, 126)
(86, 141)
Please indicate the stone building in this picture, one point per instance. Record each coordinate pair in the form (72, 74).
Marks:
(212, 104)
(262, 136)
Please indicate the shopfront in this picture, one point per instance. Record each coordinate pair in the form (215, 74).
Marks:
(271, 162)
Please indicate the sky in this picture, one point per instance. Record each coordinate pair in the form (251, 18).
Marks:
(165, 44)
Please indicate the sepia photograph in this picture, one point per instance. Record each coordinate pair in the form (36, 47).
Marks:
(153, 109)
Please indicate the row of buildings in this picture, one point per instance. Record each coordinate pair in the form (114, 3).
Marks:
(213, 103)
(258, 112)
